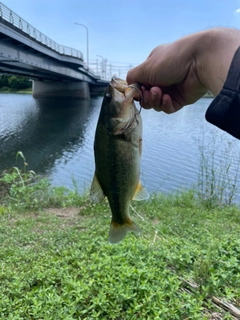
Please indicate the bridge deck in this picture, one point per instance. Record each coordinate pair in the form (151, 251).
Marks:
(26, 51)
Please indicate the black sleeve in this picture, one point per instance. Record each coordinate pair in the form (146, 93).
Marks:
(224, 111)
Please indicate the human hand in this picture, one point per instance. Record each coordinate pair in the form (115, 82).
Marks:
(169, 77)
(180, 73)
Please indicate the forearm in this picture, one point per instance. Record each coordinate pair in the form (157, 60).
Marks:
(214, 56)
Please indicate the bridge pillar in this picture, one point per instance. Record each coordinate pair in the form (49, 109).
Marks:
(69, 90)
(97, 90)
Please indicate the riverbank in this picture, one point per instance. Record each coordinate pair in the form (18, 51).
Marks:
(9, 90)
(56, 262)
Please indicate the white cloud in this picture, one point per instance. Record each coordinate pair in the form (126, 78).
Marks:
(237, 11)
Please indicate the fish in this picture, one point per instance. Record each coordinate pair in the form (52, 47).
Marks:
(117, 153)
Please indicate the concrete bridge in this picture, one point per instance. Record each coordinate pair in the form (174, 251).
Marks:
(56, 70)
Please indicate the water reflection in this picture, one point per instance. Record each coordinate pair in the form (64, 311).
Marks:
(56, 137)
(44, 132)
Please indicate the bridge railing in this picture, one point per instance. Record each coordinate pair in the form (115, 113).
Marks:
(14, 19)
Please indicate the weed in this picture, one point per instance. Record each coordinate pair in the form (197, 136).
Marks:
(218, 174)
(56, 263)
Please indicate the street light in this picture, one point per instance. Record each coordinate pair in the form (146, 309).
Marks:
(80, 24)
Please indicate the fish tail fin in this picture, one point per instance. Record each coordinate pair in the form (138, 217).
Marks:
(118, 231)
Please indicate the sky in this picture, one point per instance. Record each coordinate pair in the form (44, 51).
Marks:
(124, 31)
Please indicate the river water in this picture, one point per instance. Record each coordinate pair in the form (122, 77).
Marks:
(56, 138)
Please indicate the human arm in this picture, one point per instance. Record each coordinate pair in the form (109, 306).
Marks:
(180, 73)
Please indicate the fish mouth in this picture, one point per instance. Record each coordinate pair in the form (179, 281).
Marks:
(128, 118)
(131, 92)
(119, 84)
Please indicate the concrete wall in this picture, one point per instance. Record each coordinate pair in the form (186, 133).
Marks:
(97, 90)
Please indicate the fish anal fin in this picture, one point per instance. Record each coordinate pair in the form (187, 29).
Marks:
(140, 193)
(118, 231)
(96, 193)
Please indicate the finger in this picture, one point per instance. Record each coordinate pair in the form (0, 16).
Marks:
(155, 98)
(137, 74)
(169, 105)
(152, 98)
(145, 101)
(130, 77)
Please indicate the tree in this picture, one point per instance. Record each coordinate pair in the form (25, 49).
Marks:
(15, 82)
(3, 81)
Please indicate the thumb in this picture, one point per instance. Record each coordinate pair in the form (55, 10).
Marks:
(137, 74)
(130, 76)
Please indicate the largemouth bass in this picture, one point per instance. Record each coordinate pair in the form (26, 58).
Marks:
(117, 149)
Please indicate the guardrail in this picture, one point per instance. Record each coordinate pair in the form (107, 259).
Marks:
(11, 17)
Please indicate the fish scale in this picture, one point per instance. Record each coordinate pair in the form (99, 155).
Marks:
(117, 150)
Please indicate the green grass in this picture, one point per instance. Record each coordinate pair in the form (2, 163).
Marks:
(56, 262)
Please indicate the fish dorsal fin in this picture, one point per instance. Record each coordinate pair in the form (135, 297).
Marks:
(96, 193)
(140, 193)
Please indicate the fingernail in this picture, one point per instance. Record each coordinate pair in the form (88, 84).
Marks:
(154, 95)
(164, 102)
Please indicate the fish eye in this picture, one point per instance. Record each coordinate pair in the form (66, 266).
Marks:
(108, 96)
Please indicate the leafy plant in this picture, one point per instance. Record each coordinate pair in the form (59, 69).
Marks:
(56, 263)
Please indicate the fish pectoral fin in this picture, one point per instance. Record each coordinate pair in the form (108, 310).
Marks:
(118, 231)
(140, 193)
(96, 193)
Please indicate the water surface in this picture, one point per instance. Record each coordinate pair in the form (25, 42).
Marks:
(56, 137)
